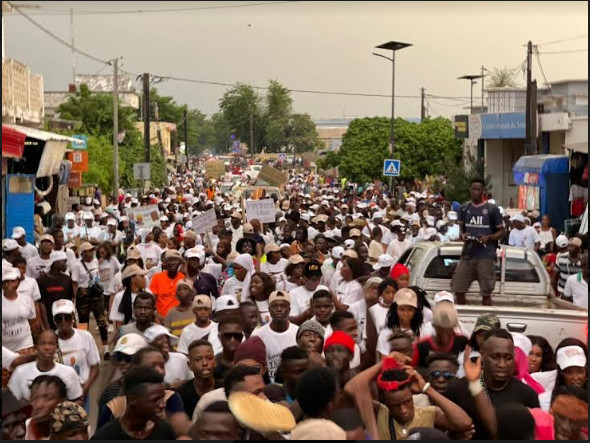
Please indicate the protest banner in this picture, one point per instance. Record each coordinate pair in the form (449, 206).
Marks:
(214, 169)
(271, 177)
(205, 221)
(261, 210)
(145, 217)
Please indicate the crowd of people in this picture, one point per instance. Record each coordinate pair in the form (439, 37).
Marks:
(306, 328)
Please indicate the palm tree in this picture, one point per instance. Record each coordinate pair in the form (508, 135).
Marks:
(502, 78)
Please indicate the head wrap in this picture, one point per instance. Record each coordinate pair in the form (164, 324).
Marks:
(390, 364)
(340, 338)
(246, 262)
(398, 270)
(68, 416)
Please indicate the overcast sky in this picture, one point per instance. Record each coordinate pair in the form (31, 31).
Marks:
(323, 46)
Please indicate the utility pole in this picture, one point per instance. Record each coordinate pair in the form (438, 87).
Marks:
(73, 52)
(115, 127)
(146, 116)
(530, 142)
(422, 107)
(483, 80)
(186, 136)
(252, 135)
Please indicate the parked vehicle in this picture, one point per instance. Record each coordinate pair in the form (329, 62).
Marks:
(253, 171)
(523, 297)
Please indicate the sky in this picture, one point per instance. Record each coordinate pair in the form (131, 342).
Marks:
(319, 46)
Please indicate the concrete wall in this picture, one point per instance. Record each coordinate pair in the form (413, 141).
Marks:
(500, 157)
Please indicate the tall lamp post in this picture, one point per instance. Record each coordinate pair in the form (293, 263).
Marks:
(471, 79)
(392, 46)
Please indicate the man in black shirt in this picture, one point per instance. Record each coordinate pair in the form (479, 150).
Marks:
(205, 284)
(145, 391)
(55, 285)
(498, 380)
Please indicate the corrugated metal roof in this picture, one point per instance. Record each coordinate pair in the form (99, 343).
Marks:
(41, 135)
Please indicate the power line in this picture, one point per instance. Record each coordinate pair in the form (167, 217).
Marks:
(536, 50)
(569, 51)
(62, 41)
(553, 42)
(143, 11)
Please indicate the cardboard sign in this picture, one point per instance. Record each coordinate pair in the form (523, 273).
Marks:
(145, 217)
(79, 161)
(261, 210)
(214, 169)
(270, 176)
(204, 222)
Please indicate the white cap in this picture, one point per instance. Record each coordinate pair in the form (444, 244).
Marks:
(517, 218)
(570, 356)
(430, 220)
(337, 252)
(349, 243)
(130, 343)
(88, 215)
(443, 296)
(18, 232)
(70, 216)
(561, 241)
(195, 253)
(10, 274)
(537, 225)
(522, 342)
(63, 306)
(112, 222)
(376, 215)
(156, 331)
(430, 232)
(9, 244)
(452, 215)
(164, 218)
(396, 223)
(57, 256)
(305, 216)
(384, 261)
(226, 303)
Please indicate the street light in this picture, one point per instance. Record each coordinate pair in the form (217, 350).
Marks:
(392, 46)
(472, 79)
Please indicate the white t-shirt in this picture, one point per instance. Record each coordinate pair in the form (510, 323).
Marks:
(359, 310)
(577, 288)
(8, 357)
(276, 343)
(453, 232)
(116, 284)
(337, 278)
(379, 316)
(383, 345)
(80, 353)
(177, 368)
(82, 276)
(107, 270)
(396, 248)
(16, 332)
(328, 270)
(23, 376)
(263, 310)
(28, 251)
(300, 300)
(349, 292)
(114, 314)
(90, 233)
(36, 266)
(192, 332)
(288, 286)
(525, 238)
(150, 253)
(233, 287)
(71, 233)
(277, 270)
(30, 288)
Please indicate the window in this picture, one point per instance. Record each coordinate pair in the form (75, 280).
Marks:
(411, 257)
(442, 266)
(520, 270)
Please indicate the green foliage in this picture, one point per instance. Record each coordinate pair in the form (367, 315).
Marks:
(502, 78)
(301, 133)
(100, 164)
(237, 105)
(460, 175)
(330, 160)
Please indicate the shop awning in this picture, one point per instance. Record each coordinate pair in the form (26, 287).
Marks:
(39, 134)
(13, 142)
(531, 169)
(577, 147)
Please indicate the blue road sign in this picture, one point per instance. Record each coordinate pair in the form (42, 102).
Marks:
(81, 141)
(391, 167)
(282, 157)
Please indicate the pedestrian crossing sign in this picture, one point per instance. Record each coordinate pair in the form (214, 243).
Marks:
(391, 168)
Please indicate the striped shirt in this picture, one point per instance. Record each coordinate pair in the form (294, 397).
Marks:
(565, 268)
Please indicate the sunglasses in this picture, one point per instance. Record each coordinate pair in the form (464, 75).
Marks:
(120, 357)
(63, 317)
(237, 336)
(446, 375)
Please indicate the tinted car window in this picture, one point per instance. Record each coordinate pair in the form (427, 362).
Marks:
(411, 257)
(442, 266)
(520, 270)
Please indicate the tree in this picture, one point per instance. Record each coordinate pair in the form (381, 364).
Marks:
(237, 106)
(301, 133)
(275, 120)
(502, 78)
(460, 175)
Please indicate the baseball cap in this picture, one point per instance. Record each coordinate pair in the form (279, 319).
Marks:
(130, 343)
(318, 429)
(190, 234)
(18, 232)
(133, 254)
(271, 247)
(57, 256)
(86, 246)
(10, 274)
(156, 331)
(312, 269)
(63, 306)
(337, 252)
(226, 303)
(88, 215)
(355, 233)
(486, 322)
(349, 243)
(172, 253)
(406, 297)
(186, 282)
(112, 222)
(296, 259)
(444, 315)
(384, 261)
(195, 253)
(351, 253)
(570, 356)
(517, 218)
(278, 296)
(443, 296)
(163, 218)
(202, 301)
(131, 271)
(248, 228)
(9, 244)
(70, 216)
(561, 241)
(452, 215)
(430, 232)
(47, 237)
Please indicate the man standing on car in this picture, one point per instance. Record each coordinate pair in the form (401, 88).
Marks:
(481, 228)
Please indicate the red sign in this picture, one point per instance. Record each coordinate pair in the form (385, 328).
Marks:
(79, 161)
(75, 180)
